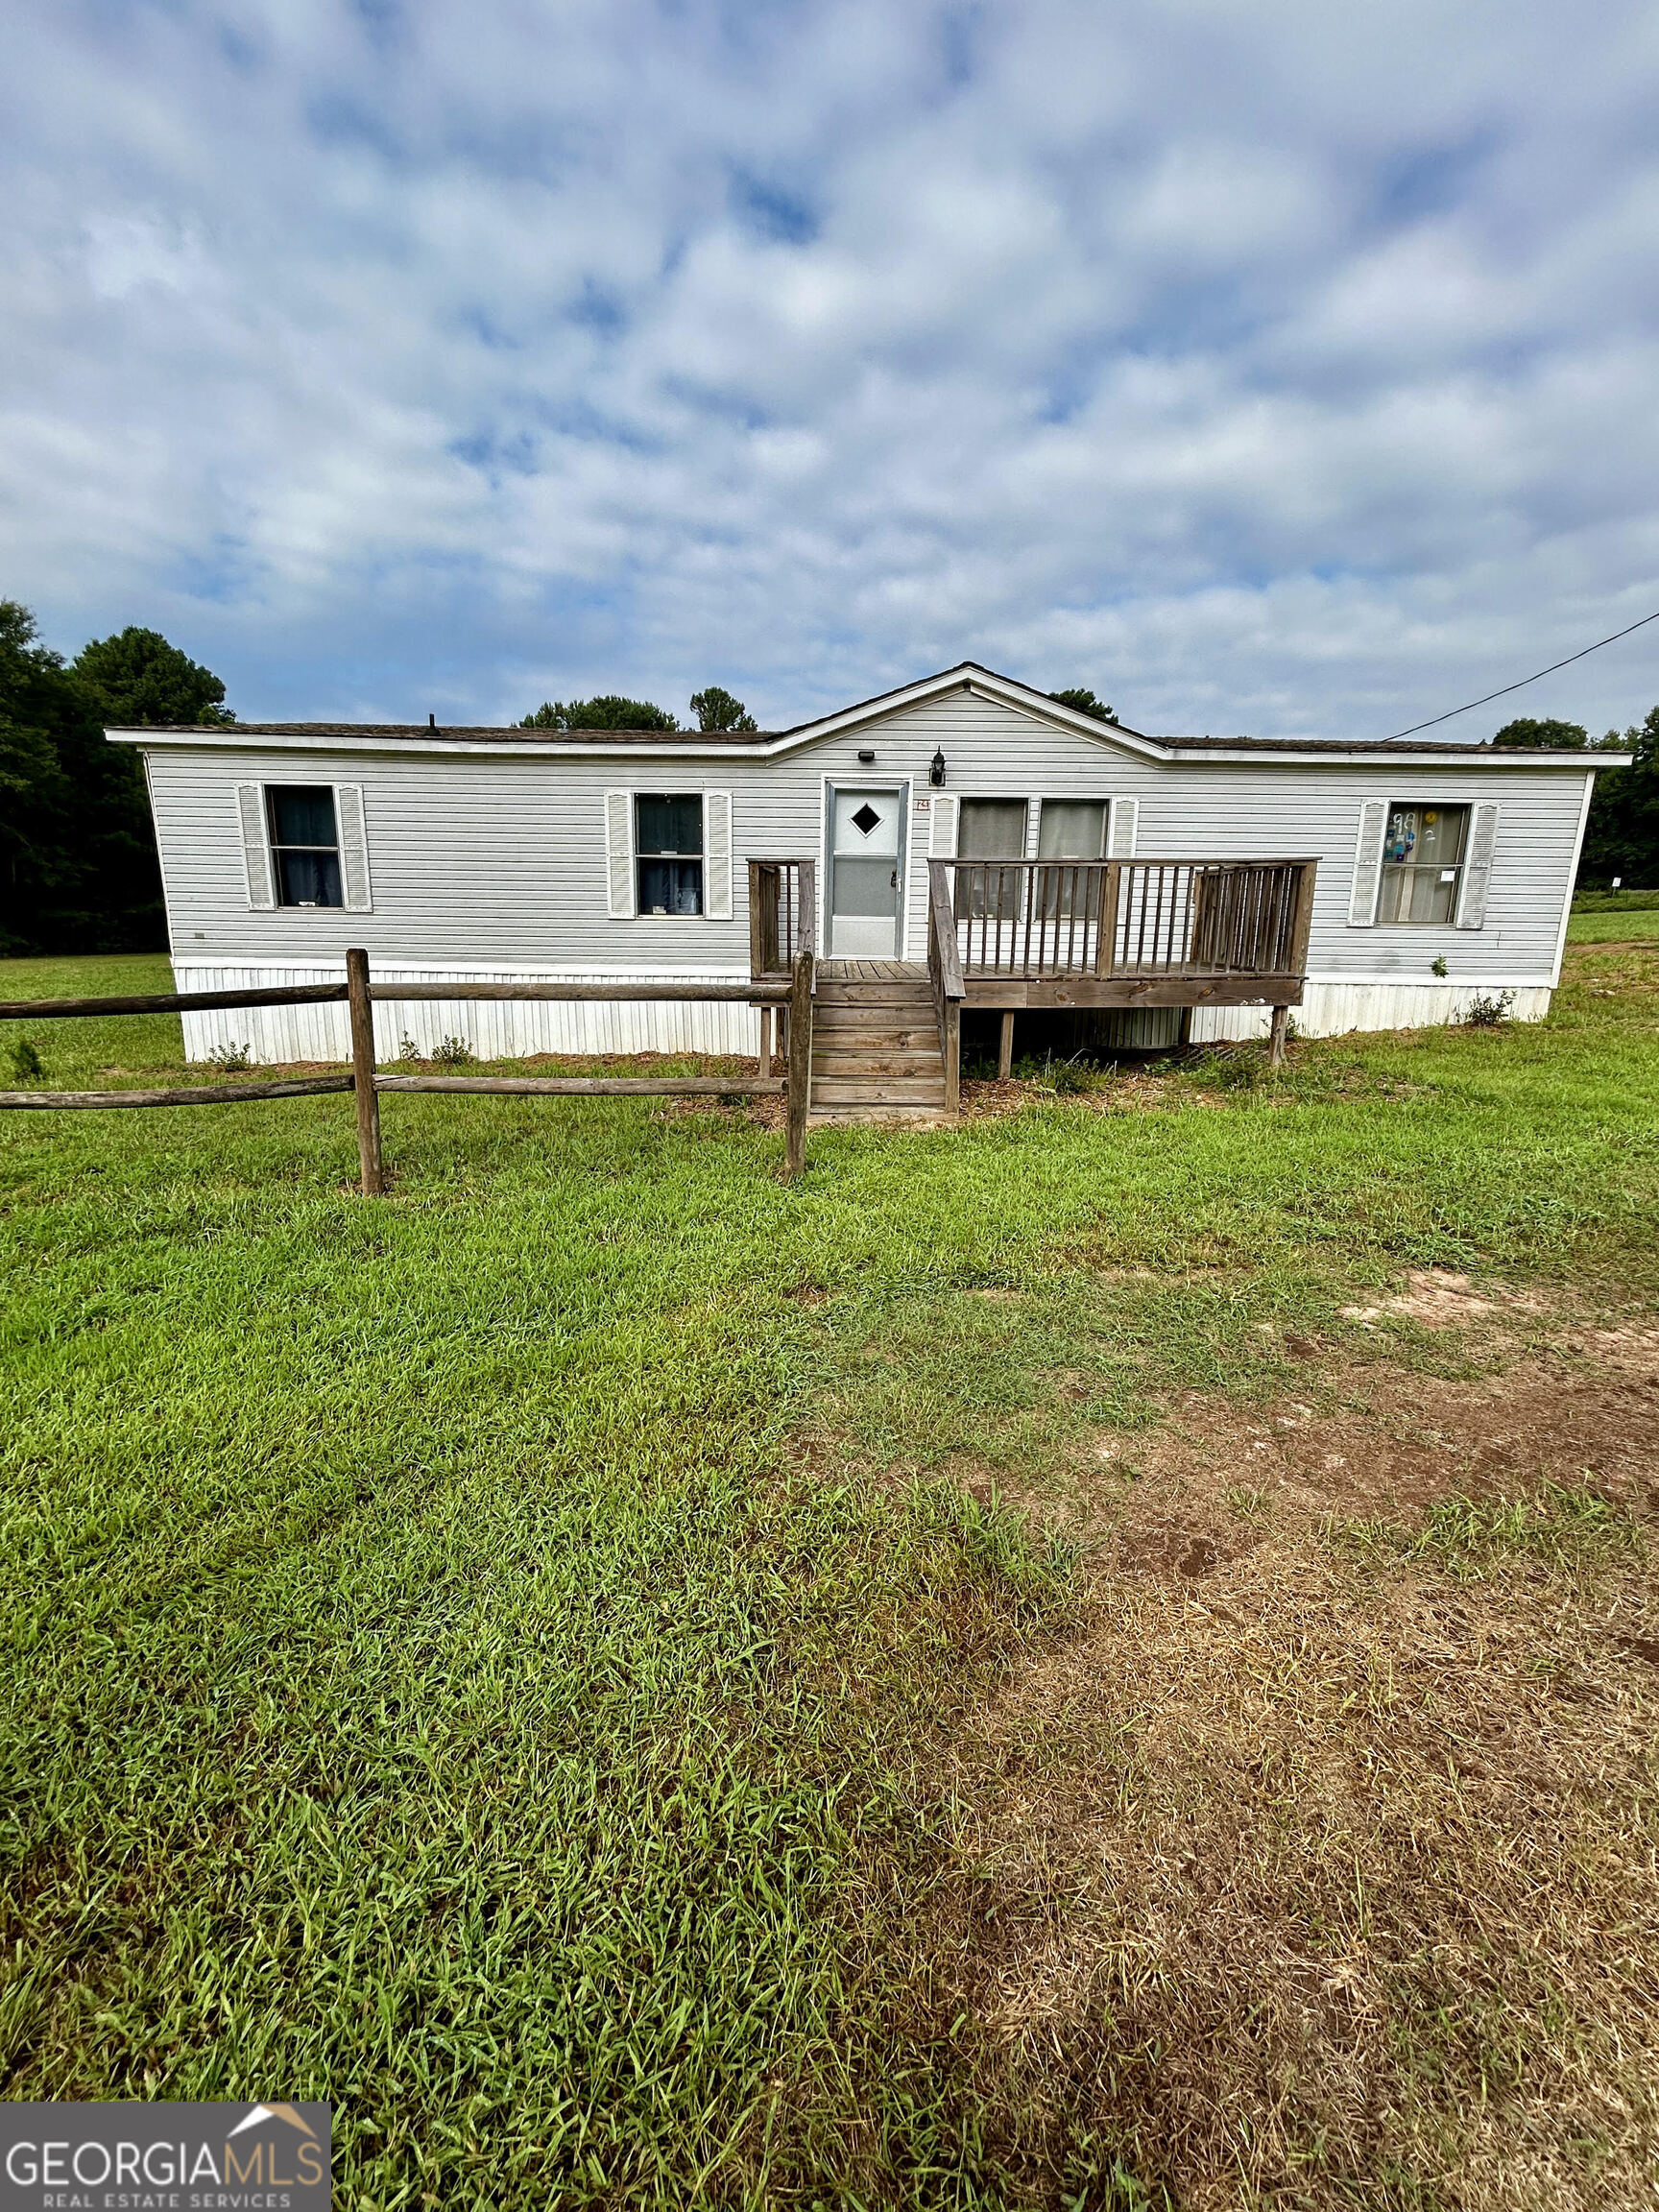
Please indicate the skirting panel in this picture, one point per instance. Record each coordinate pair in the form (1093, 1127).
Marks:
(490, 1029)
(1333, 1009)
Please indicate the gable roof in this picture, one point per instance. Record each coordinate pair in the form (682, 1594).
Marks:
(967, 676)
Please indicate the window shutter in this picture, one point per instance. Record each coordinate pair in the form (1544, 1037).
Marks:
(1125, 828)
(354, 838)
(620, 854)
(717, 855)
(256, 846)
(942, 826)
(1477, 867)
(1367, 864)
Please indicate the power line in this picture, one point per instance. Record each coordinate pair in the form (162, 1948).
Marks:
(1525, 680)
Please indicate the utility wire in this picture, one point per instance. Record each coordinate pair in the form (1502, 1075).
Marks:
(1525, 680)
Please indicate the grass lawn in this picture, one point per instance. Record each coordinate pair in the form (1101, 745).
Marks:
(1106, 1657)
(1630, 925)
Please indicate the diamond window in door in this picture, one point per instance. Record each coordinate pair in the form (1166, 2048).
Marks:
(865, 895)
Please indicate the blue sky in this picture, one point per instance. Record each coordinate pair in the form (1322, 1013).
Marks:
(1279, 370)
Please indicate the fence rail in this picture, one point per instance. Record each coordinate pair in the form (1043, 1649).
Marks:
(361, 994)
(202, 1095)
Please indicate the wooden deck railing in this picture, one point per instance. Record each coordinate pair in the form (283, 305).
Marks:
(792, 991)
(944, 973)
(1128, 919)
(782, 915)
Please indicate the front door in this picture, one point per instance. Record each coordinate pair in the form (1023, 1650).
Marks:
(866, 874)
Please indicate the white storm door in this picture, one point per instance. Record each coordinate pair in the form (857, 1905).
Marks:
(866, 866)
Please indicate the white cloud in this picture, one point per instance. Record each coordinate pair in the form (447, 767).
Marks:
(1282, 371)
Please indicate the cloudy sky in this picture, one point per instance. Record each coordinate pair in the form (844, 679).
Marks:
(1276, 368)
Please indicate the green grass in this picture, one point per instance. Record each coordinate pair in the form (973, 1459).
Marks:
(1637, 923)
(478, 1657)
(1471, 1537)
(1613, 901)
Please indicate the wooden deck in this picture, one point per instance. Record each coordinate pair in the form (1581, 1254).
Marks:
(1013, 936)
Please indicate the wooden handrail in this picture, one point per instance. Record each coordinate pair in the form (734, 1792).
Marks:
(782, 914)
(944, 973)
(1115, 918)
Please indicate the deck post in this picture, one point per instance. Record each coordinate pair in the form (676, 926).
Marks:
(952, 1056)
(1005, 1048)
(765, 1040)
(800, 1093)
(363, 1071)
(1275, 1034)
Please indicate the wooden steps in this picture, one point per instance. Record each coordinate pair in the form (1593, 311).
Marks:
(876, 1045)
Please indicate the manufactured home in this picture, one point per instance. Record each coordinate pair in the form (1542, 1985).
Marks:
(962, 845)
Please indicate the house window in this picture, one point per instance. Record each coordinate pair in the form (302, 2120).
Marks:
(990, 830)
(305, 844)
(1072, 829)
(1422, 863)
(668, 852)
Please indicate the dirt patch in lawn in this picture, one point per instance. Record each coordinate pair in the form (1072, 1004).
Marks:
(1318, 1865)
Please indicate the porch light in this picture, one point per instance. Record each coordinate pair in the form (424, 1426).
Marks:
(936, 769)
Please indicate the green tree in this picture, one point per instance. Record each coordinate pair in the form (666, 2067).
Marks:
(1084, 703)
(608, 711)
(716, 710)
(1544, 737)
(1621, 837)
(140, 682)
(78, 870)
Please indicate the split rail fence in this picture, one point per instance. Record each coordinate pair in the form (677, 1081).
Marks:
(361, 994)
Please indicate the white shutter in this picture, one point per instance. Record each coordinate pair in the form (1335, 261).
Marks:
(620, 854)
(717, 855)
(1367, 864)
(354, 838)
(1124, 829)
(1477, 866)
(942, 824)
(256, 845)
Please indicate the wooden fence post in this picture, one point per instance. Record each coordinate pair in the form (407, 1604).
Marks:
(800, 1093)
(362, 1071)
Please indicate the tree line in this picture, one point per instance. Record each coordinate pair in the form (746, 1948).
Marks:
(77, 866)
(1621, 837)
